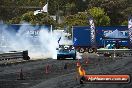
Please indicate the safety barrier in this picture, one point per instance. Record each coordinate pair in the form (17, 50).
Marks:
(13, 56)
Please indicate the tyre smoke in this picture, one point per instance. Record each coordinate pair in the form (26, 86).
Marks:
(39, 41)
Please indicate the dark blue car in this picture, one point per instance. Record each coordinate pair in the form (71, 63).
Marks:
(66, 51)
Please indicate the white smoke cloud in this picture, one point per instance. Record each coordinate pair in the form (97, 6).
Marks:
(43, 44)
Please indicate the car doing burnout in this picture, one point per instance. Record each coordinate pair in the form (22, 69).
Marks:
(66, 51)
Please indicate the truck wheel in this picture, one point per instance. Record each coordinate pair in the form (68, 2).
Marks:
(81, 50)
(91, 50)
(26, 58)
(58, 58)
(95, 50)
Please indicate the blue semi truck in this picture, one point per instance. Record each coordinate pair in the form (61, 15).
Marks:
(81, 37)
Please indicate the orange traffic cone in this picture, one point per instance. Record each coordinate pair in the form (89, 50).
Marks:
(65, 66)
(78, 64)
(86, 62)
(47, 69)
(21, 76)
(76, 77)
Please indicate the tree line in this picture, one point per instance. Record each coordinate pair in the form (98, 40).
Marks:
(73, 12)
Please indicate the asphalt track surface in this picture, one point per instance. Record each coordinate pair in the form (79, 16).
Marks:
(58, 77)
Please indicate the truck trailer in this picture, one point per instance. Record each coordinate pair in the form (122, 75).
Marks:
(81, 36)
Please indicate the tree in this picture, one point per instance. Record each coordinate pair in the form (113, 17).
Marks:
(100, 17)
(56, 5)
(69, 8)
(15, 20)
(117, 10)
(124, 23)
(81, 19)
(14, 8)
(77, 19)
(41, 18)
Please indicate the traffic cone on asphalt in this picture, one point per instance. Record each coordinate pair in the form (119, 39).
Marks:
(86, 62)
(78, 64)
(65, 66)
(76, 77)
(21, 76)
(47, 69)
